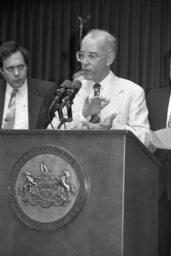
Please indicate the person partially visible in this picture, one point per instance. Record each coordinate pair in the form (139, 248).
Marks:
(24, 102)
(159, 107)
(121, 103)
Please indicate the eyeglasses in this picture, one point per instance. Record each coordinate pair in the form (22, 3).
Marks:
(91, 57)
(11, 69)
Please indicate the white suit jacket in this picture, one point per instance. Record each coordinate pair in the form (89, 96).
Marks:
(127, 100)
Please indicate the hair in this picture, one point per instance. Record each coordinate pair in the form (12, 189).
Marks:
(10, 47)
(111, 43)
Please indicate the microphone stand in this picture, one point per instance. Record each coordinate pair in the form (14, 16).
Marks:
(69, 115)
(51, 114)
(81, 27)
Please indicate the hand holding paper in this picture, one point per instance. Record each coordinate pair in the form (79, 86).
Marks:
(161, 138)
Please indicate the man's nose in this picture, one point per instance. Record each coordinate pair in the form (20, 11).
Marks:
(16, 71)
(85, 61)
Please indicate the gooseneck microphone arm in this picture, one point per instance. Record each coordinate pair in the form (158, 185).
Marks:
(57, 101)
(69, 115)
(67, 102)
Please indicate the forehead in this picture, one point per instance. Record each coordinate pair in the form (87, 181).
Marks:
(91, 44)
(14, 60)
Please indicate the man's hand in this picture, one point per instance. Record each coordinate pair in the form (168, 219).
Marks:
(94, 105)
(149, 142)
(105, 125)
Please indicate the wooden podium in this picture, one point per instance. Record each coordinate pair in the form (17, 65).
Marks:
(118, 216)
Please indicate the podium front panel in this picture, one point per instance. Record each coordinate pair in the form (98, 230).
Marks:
(102, 226)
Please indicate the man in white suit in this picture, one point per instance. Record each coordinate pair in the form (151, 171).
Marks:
(121, 103)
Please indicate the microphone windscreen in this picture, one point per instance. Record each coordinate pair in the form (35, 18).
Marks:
(66, 84)
(77, 84)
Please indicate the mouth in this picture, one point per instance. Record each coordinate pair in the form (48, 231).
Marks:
(86, 70)
(88, 74)
(18, 81)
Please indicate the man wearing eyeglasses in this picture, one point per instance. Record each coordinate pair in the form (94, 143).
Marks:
(24, 102)
(120, 103)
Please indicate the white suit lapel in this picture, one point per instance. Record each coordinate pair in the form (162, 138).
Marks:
(116, 95)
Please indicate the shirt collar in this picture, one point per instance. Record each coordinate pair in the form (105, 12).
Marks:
(21, 90)
(105, 82)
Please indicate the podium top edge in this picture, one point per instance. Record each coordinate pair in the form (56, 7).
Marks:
(125, 133)
(18, 131)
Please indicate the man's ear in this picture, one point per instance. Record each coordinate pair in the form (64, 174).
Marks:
(110, 58)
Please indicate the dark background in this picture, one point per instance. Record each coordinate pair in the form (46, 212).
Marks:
(49, 29)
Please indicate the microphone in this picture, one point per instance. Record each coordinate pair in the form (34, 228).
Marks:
(59, 94)
(71, 93)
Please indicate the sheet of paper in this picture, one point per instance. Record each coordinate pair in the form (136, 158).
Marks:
(162, 138)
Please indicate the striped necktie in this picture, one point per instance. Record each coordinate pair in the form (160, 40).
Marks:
(96, 117)
(9, 119)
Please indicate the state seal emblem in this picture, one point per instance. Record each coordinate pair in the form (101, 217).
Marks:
(47, 187)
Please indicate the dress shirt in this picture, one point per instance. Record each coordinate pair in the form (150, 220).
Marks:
(21, 106)
(127, 101)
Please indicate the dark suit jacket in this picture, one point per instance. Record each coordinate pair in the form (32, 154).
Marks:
(40, 96)
(157, 103)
